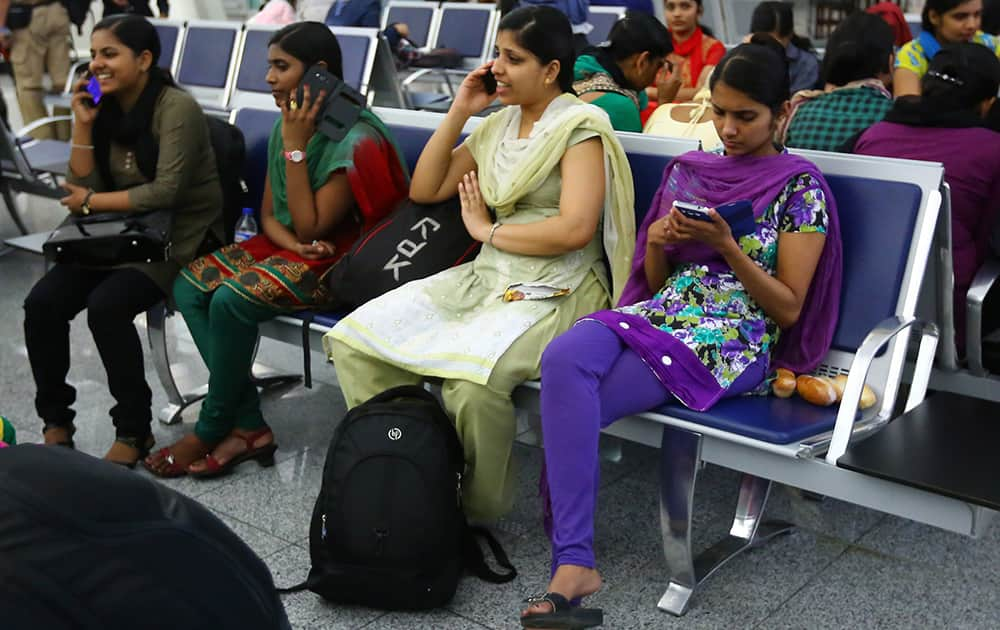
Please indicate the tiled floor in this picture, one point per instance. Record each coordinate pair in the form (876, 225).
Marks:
(846, 567)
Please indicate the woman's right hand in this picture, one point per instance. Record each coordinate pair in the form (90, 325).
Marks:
(82, 104)
(471, 97)
(316, 250)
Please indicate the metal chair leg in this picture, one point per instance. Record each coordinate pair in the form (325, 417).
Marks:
(156, 321)
(680, 455)
(270, 379)
(8, 200)
(748, 530)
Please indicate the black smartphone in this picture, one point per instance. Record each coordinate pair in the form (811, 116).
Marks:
(341, 107)
(489, 82)
(693, 210)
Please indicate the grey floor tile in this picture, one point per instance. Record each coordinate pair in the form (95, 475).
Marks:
(278, 500)
(433, 620)
(955, 553)
(868, 590)
(262, 543)
(306, 610)
(740, 594)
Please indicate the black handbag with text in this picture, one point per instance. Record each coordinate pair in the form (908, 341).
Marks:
(415, 241)
(106, 239)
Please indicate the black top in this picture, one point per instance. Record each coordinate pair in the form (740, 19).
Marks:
(140, 7)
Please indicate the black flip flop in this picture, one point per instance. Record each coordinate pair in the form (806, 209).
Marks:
(563, 615)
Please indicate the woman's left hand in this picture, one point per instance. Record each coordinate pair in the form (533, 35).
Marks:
(74, 200)
(474, 213)
(298, 120)
(715, 233)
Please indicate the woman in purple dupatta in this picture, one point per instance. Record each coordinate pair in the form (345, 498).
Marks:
(705, 315)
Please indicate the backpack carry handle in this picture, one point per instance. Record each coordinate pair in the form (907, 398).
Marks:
(404, 391)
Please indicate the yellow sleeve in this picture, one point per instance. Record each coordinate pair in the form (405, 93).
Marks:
(911, 56)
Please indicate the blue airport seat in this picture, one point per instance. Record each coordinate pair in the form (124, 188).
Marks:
(207, 58)
(466, 28)
(602, 19)
(418, 15)
(171, 33)
(256, 125)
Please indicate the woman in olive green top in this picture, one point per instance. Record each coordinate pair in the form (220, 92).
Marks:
(145, 146)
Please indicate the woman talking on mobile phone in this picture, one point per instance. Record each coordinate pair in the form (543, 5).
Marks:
(317, 195)
(144, 146)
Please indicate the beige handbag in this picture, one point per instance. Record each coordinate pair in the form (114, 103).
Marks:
(686, 120)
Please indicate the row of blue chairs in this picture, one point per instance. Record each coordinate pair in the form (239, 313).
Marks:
(890, 216)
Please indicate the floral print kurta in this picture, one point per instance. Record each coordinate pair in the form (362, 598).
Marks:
(710, 311)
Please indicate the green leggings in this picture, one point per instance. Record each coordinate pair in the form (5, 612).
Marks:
(224, 327)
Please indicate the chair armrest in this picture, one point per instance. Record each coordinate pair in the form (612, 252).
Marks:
(41, 122)
(982, 284)
(876, 341)
(74, 75)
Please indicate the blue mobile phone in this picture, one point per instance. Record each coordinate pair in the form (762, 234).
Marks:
(94, 88)
(739, 216)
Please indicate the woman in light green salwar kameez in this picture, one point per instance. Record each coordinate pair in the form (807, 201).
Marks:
(558, 179)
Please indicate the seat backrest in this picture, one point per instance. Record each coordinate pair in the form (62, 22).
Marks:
(915, 23)
(602, 19)
(256, 125)
(420, 16)
(208, 60)
(171, 33)
(469, 29)
(888, 211)
(357, 47)
(250, 88)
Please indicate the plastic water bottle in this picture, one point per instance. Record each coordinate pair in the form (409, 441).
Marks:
(246, 227)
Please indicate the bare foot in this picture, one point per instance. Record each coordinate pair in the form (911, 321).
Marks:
(570, 581)
(174, 460)
(233, 445)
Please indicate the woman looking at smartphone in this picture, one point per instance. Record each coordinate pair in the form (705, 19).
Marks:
(317, 195)
(481, 326)
(703, 313)
(145, 146)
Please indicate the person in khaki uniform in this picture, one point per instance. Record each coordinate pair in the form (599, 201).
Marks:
(43, 45)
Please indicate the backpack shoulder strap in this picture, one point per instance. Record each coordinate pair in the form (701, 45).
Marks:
(476, 563)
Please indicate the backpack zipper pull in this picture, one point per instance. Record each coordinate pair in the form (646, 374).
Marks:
(323, 531)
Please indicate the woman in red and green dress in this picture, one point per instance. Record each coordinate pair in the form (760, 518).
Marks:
(695, 55)
(319, 196)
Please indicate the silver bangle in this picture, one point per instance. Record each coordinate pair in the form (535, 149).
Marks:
(493, 230)
(81, 146)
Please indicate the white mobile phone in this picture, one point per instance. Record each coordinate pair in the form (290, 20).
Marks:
(693, 210)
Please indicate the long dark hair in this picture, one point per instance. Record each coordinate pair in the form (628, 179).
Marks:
(858, 49)
(133, 128)
(310, 43)
(960, 77)
(777, 17)
(637, 33)
(938, 6)
(546, 33)
(759, 69)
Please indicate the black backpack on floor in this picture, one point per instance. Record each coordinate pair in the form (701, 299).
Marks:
(88, 545)
(388, 529)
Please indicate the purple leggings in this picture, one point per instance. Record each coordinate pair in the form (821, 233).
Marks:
(590, 379)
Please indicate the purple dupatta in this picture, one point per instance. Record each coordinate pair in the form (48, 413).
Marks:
(712, 180)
